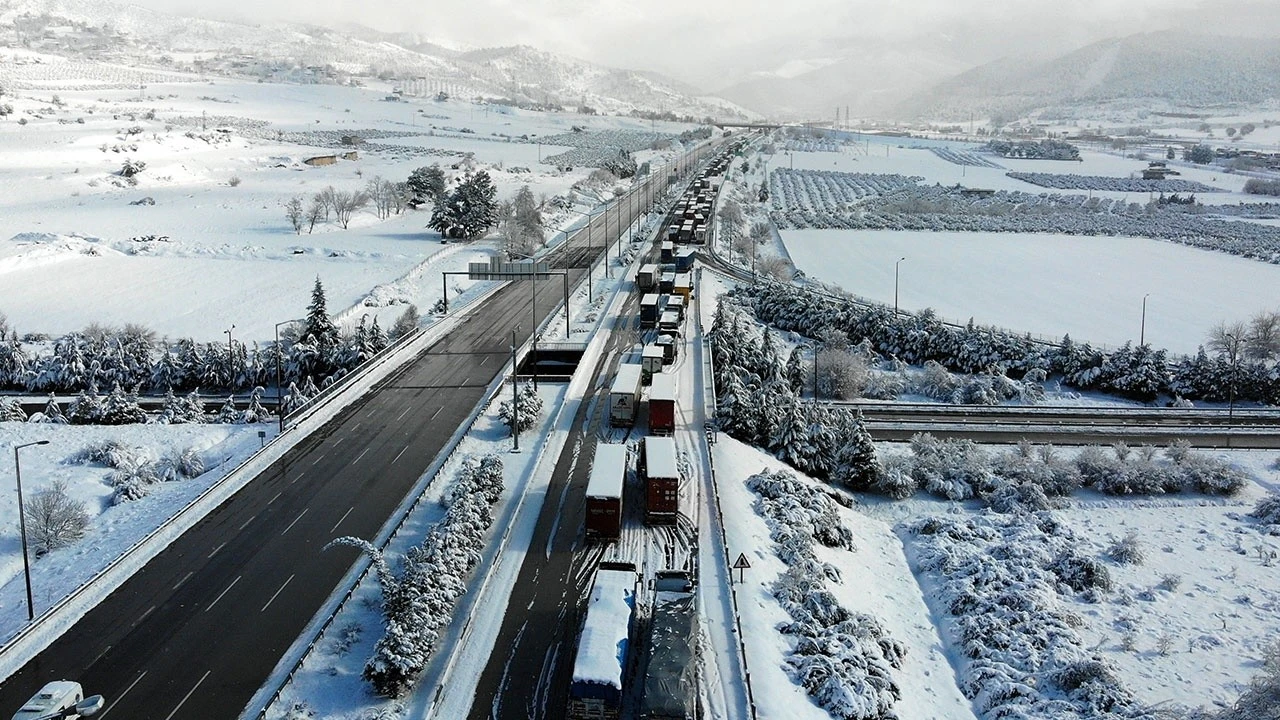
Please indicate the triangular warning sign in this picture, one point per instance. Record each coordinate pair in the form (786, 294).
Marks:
(741, 562)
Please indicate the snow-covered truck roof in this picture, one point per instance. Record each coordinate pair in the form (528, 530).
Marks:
(608, 471)
(627, 381)
(602, 650)
(660, 457)
(662, 387)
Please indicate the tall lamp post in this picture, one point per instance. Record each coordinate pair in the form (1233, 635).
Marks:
(279, 387)
(1142, 331)
(895, 285)
(515, 394)
(1234, 352)
(22, 525)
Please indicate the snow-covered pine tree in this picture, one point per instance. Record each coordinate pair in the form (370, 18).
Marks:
(192, 408)
(86, 409)
(795, 370)
(53, 412)
(255, 412)
(121, 408)
(319, 327)
(228, 414)
(789, 438)
(11, 410)
(856, 463)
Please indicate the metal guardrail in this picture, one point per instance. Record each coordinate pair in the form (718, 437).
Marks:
(710, 410)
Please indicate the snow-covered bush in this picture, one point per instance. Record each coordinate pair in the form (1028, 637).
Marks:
(112, 453)
(951, 468)
(178, 464)
(1267, 511)
(54, 519)
(419, 602)
(842, 659)
(132, 481)
(1127, 550)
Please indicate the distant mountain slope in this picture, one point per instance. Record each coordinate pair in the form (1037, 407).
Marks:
(1173, 69)
(104, 30)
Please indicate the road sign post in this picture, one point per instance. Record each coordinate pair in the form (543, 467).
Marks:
(740, 565)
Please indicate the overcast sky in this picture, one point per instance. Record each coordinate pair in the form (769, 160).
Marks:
(709, 41)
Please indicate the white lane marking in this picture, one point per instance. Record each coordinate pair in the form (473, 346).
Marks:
(356, 426)
(437, 412)
(344, 517)
(361, 455)
(183, 580)
(188, 695)
(406, 412)
(121, 695)
(465, 381)
(215, 550)
(273, 597)
(224, 592)
(145, 614)
(397, 457)
(485, 360)
(295, 520)
(338, 441)
(277, 497)
(313, 462)
(246, 522)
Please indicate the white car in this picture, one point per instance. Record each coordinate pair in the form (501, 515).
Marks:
(59, 699)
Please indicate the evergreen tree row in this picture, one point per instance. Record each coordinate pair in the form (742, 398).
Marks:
(1138, 372)
(132, 358)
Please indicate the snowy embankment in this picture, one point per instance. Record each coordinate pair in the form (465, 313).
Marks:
(875, 581)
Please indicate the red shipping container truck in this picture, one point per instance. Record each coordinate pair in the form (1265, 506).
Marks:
(662, 405)
(604, 492)
(661, 480)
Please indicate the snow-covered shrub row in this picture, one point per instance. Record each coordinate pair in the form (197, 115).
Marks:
(1027, 475)
(818, 191)
(1004, 578)
(418, 602)
(136, 469)
(844, 660)
(962, 157)
(950, 209)
(594, 148)
(1031, 150)
(1111, 184)
(758, 403)
(811, 145)
(916, 338)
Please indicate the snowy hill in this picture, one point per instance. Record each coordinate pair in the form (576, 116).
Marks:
(129, 34)
(1159, 70)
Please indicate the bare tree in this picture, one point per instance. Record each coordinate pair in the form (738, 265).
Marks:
(774, 267)
(842, 375)
(346, 202)
(1228, 339)
(1263, 339)
(293, 211)
(326, 198)
(315, 211)
(382, 194)
(400, 196)
(54, 520)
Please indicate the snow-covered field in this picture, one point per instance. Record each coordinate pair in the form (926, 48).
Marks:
(1050, 285)
(67, 258)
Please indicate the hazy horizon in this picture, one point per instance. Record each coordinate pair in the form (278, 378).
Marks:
(716, 43)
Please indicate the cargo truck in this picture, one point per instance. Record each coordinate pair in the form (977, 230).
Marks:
(662, 405)
(604, 492)
(661, 477)
(624, 396)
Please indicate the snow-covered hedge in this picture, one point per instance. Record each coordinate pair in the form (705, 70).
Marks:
(961, 157)
(1004, 579)
(598, 148)
(1032, 150)
(419, 601)
(844, 660)
(1111, 184)
(825, 190)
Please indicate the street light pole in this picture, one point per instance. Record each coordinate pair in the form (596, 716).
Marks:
(895, 286)
(279, 387)
(1142, 333)
(231, 357)
(515, 394)
(22, 525)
